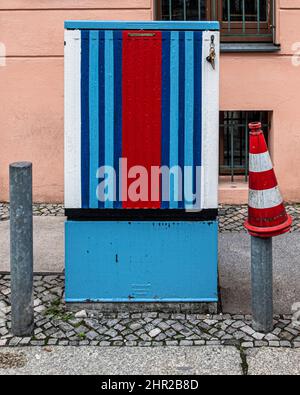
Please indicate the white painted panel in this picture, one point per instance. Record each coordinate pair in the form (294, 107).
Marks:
(72, 119)
(210, 122)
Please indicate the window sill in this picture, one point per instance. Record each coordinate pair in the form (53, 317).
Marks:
(233, 192)
(249, 47)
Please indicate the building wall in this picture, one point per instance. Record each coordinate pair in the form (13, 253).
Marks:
(31, 100)
(32, 87)
(269, 82)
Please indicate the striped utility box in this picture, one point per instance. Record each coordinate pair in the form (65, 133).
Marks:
(141, 161)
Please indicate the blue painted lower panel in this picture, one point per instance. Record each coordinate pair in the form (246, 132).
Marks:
(141, 261)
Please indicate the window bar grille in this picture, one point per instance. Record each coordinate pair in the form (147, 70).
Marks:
(214, 15)
(258, 16)
(273, 20)
(246, 148)
(171, 9)
(232, 151)
(236, 142)
(244, 16)
(229, 15)
(236, 25)
(184, 10)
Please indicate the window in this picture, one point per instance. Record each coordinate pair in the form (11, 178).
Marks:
(234, 140)
(241, 20)
(192, 10)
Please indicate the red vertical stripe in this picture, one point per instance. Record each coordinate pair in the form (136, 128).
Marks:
(142, 103)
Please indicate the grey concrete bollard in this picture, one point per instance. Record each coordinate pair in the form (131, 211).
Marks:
(262, 284)
(21, 248)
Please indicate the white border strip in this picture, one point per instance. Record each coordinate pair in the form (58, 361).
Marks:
(260, 162)
(210, 123)
(267, 198)
(72, 119)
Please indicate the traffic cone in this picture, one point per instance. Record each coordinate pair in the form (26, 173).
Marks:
(267, 216)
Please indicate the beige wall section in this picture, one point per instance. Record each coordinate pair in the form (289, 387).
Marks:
(32, 123)
(270, 84)
(75, 4)
(40, 33)
(31, 100)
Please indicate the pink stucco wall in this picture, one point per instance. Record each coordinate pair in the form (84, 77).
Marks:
(269, 82)
(31, 100)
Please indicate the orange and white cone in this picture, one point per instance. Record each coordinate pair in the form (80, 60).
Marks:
(267, 216)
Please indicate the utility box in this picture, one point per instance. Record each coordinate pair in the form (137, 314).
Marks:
(141, 161)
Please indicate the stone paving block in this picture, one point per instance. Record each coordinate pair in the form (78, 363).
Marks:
(213, 342)
(111, 333)
(52, 342)
(37, 343)
(248, 345)
(63, 343)
(248, 330)
(274, 344)
(91, 335)
(154, 332)
(270, 337)
(131, 343)
(237, 324)
(258, 336)
(285, 344)
(186, 343)
(172, 343)
(104, 344)
(286, 336)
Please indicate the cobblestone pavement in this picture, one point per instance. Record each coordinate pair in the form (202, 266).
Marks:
(39, 209)
(231, 218)
(57, 326)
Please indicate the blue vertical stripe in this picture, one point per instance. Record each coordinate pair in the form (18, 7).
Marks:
(181, 150)
(189, 116)
(118, 48)
(101, 109)
(198, 37)
(109, 104)
(166, 102)
(94, 116)
(85, 149)
(101, 104)
(174, 116)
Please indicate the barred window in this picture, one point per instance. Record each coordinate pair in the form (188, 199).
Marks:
(241, 20)
(234, 140)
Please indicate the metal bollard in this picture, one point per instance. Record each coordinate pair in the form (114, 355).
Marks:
(262, 284)
(267, 218)
(21, 248)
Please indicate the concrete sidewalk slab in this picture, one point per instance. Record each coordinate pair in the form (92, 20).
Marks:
(48, 245)
(275, 362)
(125, 361)
(235, 272)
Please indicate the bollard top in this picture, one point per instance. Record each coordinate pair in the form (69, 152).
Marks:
(20, 165)
(255, 126)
